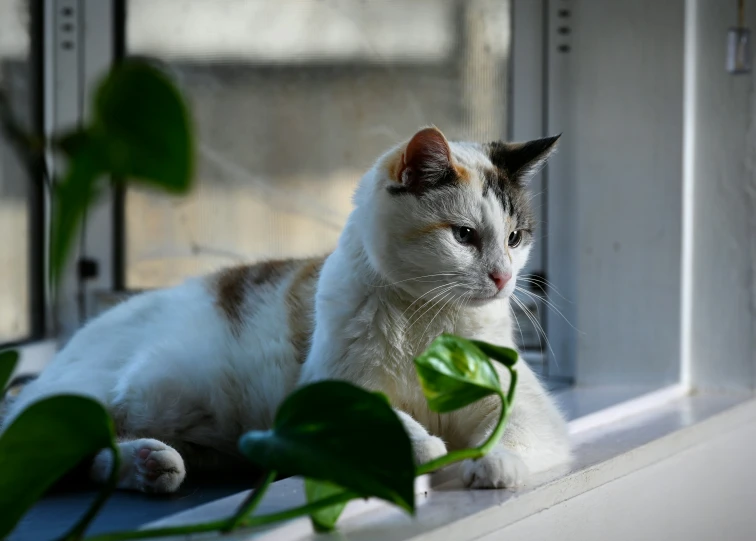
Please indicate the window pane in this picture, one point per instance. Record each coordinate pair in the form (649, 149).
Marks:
(293, 100)
(15, 193)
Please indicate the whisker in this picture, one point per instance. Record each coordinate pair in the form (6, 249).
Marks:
(514, 316)
(549, 304)
(539, 282)
(463, 305)
(438, 312)
(536, 324)
(420, 297)
(462, 299)
(419, 278)
(430, 302)
(444, 295)
(454, 305)
(534, 195)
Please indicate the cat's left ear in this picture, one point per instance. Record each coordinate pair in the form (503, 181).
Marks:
(521, 161)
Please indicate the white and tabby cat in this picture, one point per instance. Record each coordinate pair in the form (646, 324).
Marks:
(434, 244)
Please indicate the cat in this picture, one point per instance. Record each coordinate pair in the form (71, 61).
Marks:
(437, 236)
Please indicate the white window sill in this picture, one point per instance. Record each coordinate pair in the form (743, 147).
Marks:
(609, 445)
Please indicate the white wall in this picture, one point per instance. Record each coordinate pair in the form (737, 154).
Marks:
(722, 339)
(615, 189)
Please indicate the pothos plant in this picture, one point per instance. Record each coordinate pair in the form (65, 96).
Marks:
(141, 131)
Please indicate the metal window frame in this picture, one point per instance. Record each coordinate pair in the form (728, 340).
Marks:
(78, 50)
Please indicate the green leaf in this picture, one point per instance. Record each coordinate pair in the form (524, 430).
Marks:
(454, 373)
(506, 356)
(140, 130)
(142, 124)
(325, 519)
(45, 441)
(336, 432)
(8, 362)
(72, 197)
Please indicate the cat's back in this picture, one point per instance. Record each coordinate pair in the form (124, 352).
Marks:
(234, 336)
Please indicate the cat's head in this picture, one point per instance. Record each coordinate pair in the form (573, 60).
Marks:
(451, 219)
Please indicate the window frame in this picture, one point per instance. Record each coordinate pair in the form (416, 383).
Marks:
(657, 403)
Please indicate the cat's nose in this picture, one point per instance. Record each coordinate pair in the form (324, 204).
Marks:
(500, 279)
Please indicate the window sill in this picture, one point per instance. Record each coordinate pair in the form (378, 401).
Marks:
(672, 422)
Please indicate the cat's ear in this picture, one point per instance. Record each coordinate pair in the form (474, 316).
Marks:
(521, 161)
(425, 160)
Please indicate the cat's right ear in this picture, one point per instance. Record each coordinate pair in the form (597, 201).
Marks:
(425, 160)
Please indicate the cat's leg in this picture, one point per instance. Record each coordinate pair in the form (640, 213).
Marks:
(425, 446)
(147, 465)
(535, 438)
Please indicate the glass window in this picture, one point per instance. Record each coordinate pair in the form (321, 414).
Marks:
(293, 100)
(15, 188)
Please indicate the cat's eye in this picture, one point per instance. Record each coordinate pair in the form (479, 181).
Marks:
(465, 235)
(515, 238)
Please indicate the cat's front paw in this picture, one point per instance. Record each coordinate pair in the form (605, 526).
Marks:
(158, 468)
(147, 465)
(426, 449)
(498, 469)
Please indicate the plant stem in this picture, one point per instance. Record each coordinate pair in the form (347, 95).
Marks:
(212, 526)
(477, 452)
(512, 385)
(301, 510)
(219, 525)
(77, 532)
(250, 503)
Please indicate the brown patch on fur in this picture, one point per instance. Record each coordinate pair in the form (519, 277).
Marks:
(425, 230)
(393, 166)
(232, 284)
(463, 174)
(300, 301)
(230, 289)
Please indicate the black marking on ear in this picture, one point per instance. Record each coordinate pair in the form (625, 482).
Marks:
(520, 161)
(513, 197)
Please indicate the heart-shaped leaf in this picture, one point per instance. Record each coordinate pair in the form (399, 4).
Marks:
(140, 130)
(504, 355)
(8, 361)
(336, 432)
(325, 519)
(72, 197)
(454, 373)
(45, 441)
(142, 124)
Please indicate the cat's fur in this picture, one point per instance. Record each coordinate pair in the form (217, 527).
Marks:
(185, 371)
